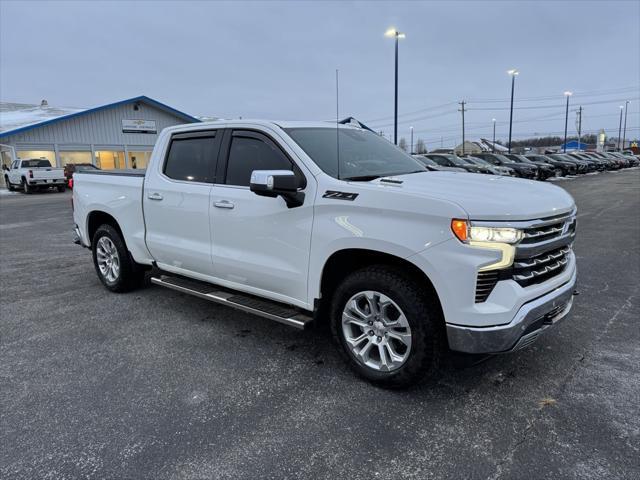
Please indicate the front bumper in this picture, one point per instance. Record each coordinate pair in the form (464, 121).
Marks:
(533, 318)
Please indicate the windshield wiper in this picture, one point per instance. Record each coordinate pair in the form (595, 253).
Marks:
(361, 178)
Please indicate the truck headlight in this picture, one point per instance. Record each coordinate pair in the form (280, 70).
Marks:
(466, 233)
(492, 238)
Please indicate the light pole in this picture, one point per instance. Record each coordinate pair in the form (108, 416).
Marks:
(493, 145)
(392, 32)
(411, 128)
(580, 128)
(620, 127)
(513, 72)
(624, 130)
(566, 120)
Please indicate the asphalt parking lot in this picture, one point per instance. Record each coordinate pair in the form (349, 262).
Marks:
(156, 384)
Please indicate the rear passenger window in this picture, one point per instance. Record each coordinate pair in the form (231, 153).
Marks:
(247, 154)
(192, 159)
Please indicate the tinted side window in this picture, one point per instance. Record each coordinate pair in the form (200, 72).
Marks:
(247, 154)
(192, 159)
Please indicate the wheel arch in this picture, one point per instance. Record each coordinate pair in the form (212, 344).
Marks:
(345, 261)
(96, 218)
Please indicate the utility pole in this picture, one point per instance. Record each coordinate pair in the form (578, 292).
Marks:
(462, 109)
(579, 126)
(624, 132)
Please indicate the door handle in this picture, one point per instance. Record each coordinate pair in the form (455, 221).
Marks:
(224, 204)
(154, 196)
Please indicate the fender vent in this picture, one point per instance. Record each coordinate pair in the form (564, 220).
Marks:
(484, 284)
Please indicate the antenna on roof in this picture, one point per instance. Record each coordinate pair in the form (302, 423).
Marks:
(337, 124)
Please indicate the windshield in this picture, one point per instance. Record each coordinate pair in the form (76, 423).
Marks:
(477, 161)
(522, 159)
(560, 156)
(457, 161)
(363, 154)
(426, 161)
(35, 163)
(503, 158)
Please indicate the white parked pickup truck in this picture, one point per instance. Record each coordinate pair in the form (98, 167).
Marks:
(301, 222)
(34, 174)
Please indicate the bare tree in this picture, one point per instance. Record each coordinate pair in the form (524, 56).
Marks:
(420, 147)
(403, 144)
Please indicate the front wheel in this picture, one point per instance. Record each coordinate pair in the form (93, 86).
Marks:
(8, 183)
(115, 268)
(388, 328)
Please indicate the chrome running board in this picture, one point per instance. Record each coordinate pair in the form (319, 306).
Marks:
(264, 308)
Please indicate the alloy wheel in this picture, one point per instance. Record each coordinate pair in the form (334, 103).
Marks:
(376, 331)
(108, 259)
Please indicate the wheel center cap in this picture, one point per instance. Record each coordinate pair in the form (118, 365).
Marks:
(378, 328)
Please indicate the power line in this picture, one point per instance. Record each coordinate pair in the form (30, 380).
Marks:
(532, 107)
(593, 93)
(588, 93)
(426, 109)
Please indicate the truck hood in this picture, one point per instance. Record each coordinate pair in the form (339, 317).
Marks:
(486, 197)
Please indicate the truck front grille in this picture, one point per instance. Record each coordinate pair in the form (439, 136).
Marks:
(485, 283)
(540, 268)
(549, 231)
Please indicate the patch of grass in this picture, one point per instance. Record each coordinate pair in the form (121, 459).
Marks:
(547, 402)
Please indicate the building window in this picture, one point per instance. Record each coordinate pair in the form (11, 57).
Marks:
(110, 160)
(34, 154)
(74, 157)
(139, 159)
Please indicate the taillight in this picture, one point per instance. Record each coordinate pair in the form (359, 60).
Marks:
(30, 173)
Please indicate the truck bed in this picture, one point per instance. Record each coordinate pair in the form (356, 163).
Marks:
(126, 172)
(117, 193)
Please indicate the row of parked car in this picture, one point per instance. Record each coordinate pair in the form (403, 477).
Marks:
(534, 166)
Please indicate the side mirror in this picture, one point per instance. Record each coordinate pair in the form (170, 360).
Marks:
(274, 183)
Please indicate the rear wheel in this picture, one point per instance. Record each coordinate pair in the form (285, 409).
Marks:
(115, 268)
(389, 330)
(25, 187)
(62, 188)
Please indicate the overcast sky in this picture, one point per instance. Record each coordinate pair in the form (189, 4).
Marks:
(278, 60)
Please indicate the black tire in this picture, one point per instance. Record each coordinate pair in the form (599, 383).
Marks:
(130, 275)
(26, 188)
(8, 184)
(62, 188)
(428, 340)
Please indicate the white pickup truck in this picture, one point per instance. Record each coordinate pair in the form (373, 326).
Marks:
(34, 174)
(301, 222)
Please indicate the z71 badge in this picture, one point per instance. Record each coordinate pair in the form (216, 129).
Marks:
(340, 195)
